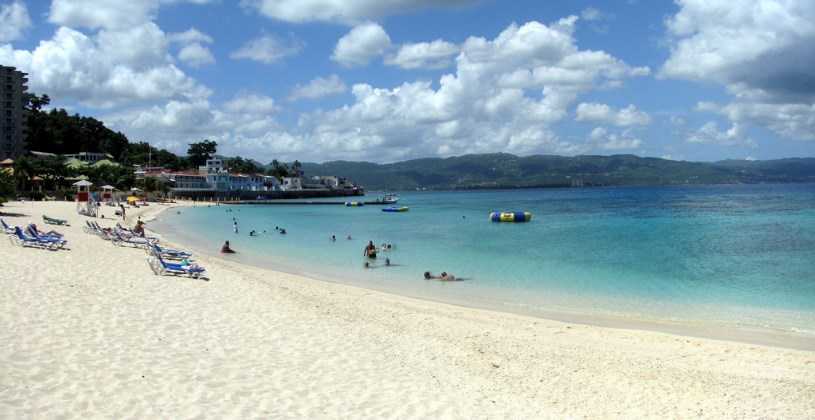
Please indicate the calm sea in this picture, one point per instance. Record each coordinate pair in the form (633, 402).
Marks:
(735, 255)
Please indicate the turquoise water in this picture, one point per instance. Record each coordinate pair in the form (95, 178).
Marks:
(741, 255)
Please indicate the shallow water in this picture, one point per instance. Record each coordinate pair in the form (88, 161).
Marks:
(735, 255)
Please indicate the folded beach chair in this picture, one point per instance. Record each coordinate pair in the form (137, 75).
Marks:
(8, 230)
(161, 267)
(24, 240)
(52, 221)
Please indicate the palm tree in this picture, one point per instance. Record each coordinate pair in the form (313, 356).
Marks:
(23, 171)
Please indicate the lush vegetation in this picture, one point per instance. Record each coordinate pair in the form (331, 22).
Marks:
(502, 170)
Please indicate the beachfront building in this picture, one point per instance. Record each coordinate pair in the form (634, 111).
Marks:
(12, 111)
(89, 157)
(331, 182)
(214, 179)
(213, 166)
(292, 183)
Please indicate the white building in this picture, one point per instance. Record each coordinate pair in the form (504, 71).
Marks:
(292, 184)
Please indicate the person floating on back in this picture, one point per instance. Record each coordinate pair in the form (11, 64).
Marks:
(443, 277)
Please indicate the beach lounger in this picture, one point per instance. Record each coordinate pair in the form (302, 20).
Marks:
(52, 221)
(22, 239)
(161, 267)
(9, 230)
(170, 254)
(33, 230)
(56, 238)
(121, 239)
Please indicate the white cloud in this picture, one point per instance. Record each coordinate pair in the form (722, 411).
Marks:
(428, 55)
(796, 121)
(627, 116)
(709, 133)
(361, 44)
(760, 50)
(347, 11)
(109, 68)
(14, 20)
(318, 88)
(196, 55)
(268, 49)
(190, 36)
(677, 121)
(109, 14)
(251, 103)
(505, 94)
(591, 14)
(604, 140)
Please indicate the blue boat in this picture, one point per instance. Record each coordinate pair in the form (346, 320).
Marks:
(396, 209)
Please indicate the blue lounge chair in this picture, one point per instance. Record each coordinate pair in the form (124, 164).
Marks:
(161, 267)
(170, 254)
(6, 228)
(31, 230)
(25, 240)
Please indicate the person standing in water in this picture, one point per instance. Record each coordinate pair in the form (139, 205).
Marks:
(370, 250)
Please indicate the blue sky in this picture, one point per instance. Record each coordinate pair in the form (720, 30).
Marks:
(387, 80)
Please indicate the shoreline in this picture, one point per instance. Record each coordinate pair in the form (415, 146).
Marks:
(92, 332)
(708, 329)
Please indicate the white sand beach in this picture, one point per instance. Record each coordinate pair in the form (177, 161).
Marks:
(92, 333)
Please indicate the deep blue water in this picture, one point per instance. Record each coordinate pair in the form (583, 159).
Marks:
(735, 254)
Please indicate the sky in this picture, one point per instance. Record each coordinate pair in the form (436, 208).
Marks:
(390, 80)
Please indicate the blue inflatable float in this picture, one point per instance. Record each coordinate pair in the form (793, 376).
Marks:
(395, 209)
(511, 216)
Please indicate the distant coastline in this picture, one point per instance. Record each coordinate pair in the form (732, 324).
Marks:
(507, 171)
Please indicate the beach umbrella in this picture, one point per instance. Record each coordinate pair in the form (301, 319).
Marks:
(83, 183)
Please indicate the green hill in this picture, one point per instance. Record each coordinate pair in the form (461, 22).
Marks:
(501, 170)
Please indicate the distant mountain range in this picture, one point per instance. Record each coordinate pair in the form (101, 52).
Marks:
(501, 170)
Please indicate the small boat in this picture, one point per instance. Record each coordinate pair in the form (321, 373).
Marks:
(354, 204)
(387, 199)
(396, 209)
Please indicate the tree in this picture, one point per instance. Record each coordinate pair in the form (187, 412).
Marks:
(23, 171)
(35, 103)
(198, 153)
(243, 166)
(278, 170)
(6, 185)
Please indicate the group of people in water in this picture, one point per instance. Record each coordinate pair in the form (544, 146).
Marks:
(370, 252)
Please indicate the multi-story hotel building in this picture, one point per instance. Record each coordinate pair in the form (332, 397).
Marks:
(12, 111)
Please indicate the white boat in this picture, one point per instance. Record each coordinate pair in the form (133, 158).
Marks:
(390, 199)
